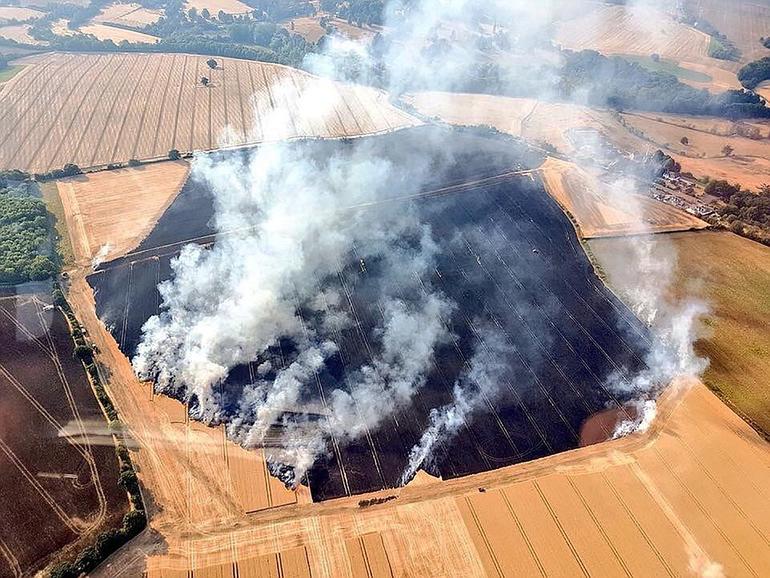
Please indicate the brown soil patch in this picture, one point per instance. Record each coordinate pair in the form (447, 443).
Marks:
(96, 109)
(57, 457)
(138, 195)
(601, 211)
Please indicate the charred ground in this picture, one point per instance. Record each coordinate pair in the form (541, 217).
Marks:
(508, 258)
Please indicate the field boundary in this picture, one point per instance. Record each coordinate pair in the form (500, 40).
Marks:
(134, 522)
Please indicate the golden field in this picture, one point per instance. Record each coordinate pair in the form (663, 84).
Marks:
(96, 109)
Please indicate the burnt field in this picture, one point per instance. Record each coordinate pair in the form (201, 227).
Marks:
(508, 258)
(59, 468)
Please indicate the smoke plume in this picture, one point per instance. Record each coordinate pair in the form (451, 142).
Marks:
(284, 221)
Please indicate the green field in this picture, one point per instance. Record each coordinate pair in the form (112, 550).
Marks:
(8, 73)
(668, 66)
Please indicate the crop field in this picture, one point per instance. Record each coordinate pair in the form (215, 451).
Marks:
(540, 122)
(639, 30)
(18, 13)
(648, 505)
(493, 219)
(601, 213)
(744, 23)
(19, 33)
(95, 109)
(117, 35)
(749, 164)
(130, 14)
(57, 457)
(215, 6)
(733, 275)
(139, 195)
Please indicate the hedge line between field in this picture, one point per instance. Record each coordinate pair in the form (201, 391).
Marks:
(135, 520)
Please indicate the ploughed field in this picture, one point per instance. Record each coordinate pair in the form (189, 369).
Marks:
(58, 463)
(508, 258)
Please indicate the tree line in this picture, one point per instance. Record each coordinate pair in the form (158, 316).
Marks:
(755, 73)
(745, 212)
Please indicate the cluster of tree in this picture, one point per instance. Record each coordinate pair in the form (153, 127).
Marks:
(620, 84)
(68, 170)
(26, 250)
(765, 42)
(278, 10)
(746, 213)
(135, 520)
(358, 12)
(755, 73)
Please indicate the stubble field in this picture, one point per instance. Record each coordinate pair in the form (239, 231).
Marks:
(18, 13)
(640, 133)
(744, 23)
(96, 109)
(139, 195)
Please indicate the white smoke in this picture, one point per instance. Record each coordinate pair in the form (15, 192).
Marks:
(645, 272)
(283, 225)
(479, 385)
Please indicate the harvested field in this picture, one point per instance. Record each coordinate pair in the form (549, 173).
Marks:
(733, 277)
(130, 14)
(95, 109)
(493, 221)
(117, 35)
(56, 454)
(601, 211)
(744, 23)
(215, 6)
(19, 33)
(18, 13)
(552, 122)
(308, 27)
(139, 195)
(687, 497)
(749, 164)
(639, 30)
